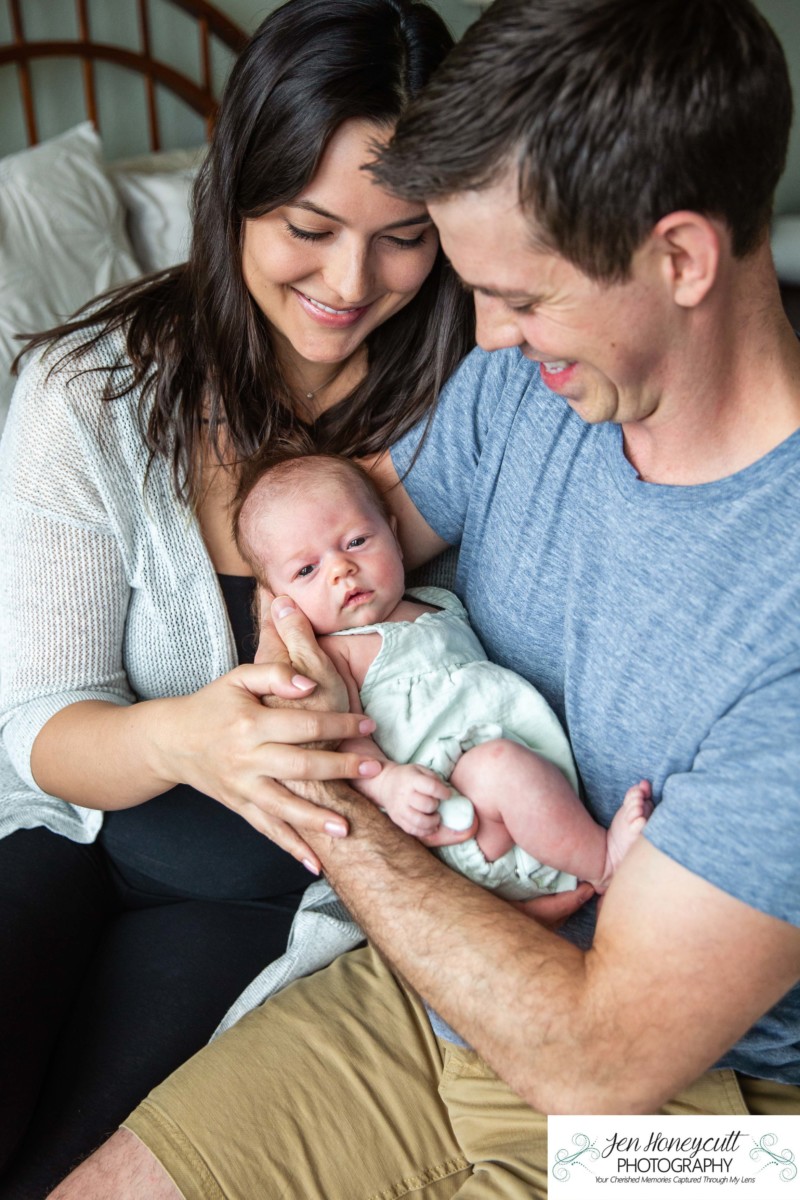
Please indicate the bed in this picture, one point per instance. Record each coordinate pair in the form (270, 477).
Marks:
(96, 191)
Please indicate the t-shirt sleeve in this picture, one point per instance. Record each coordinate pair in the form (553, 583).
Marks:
(734, 817)
(438, 458)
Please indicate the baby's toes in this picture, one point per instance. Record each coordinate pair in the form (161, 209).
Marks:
(637, 804)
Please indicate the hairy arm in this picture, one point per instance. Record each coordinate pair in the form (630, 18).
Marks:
(640, 997)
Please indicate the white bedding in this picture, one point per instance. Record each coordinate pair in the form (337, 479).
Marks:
(72, 226)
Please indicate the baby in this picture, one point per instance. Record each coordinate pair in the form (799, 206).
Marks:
(316, 529)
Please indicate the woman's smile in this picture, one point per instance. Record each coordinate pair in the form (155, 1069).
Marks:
(339, 259)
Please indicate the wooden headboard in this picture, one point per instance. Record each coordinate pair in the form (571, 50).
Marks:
(199, 94)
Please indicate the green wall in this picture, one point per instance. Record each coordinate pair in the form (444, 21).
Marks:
(784, 16)
(122, 121)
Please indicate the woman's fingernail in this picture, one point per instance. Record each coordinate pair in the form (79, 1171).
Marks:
(303, 684)
(369, 767)
(309, 866)
(283, 607)
(335, 829)
(367, 725)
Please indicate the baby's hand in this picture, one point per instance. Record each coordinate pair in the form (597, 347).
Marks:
(410, 794)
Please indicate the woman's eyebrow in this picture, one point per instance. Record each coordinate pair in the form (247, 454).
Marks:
(421, 219)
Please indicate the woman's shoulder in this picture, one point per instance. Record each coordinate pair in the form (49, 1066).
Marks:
(73, 372)
(59, 418)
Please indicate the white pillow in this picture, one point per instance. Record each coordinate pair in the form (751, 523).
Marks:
(62, 238)
(156, 190)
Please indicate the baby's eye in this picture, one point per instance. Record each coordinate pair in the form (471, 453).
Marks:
(357, 541)
(305, 571)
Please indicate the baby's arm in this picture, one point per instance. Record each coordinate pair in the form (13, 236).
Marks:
(409, 793)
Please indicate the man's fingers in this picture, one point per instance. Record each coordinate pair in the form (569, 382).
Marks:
(553, 910)
(421, 826)
(449, 837)
(298, 637)
(270, 647)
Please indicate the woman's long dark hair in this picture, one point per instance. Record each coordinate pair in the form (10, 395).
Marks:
(194, 336)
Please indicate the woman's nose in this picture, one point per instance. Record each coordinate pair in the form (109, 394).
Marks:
(348, 273)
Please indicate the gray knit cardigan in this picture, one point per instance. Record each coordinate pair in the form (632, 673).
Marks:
(107, 593)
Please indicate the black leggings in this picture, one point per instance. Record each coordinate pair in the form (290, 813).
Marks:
(105, 990)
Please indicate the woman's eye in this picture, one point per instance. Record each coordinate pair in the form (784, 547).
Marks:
(305, 235)
(358, 541)
(305, 571)
(407, 243)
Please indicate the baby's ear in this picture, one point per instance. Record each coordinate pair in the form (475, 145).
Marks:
(393, 527)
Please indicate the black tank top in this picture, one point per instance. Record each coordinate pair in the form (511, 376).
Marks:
(192, 845)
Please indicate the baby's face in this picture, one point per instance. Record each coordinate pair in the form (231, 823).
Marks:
(335, 554)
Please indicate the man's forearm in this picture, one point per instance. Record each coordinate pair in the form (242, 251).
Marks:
(660, 997)
(514, 990)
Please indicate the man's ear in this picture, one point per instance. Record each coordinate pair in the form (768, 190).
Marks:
(691, 246)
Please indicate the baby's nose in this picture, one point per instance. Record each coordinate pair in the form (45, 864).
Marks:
(341, 566)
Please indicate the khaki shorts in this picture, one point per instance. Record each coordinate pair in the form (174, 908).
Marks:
(337, 1089)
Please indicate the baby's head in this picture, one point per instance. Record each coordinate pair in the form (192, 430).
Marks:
(315, 527)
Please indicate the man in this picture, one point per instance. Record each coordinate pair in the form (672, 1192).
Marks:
(623, 478)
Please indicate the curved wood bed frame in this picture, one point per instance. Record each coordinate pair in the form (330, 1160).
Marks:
(199, 96)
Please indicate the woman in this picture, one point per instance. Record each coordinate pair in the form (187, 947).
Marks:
(138, 904)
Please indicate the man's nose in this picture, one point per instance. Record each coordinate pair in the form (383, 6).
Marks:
(496, 327)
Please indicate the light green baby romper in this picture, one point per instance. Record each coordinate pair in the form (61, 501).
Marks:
(434, 695)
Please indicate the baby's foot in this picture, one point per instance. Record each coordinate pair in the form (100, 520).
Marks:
(628, 823)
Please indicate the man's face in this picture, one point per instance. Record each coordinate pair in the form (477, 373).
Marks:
(603, 347)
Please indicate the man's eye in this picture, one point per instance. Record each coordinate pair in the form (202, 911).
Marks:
(304, 571)
(359, 541)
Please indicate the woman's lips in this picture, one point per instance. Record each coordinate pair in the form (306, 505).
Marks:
(323, 314)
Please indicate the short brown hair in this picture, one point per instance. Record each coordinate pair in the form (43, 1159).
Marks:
(613, 113)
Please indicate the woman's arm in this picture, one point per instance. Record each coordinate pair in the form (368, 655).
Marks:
(222, 740)
(86, 584)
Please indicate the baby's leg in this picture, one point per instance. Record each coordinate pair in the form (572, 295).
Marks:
(523, 799)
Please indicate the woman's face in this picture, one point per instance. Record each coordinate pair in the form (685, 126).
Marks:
(338, 260)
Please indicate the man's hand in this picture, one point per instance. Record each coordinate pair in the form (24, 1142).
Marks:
(553, 911)
(287, 637)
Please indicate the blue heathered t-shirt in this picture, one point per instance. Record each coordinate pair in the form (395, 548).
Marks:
(662, 624)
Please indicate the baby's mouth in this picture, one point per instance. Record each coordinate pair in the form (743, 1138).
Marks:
(356, 597)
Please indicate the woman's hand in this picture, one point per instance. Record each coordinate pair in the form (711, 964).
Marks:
(236, 737)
